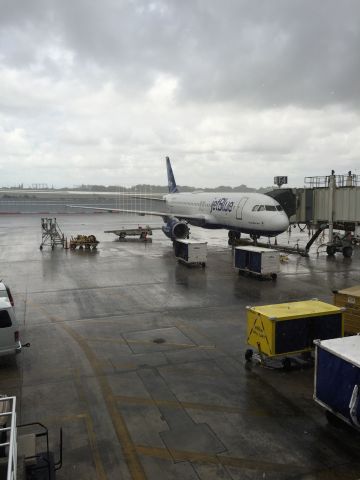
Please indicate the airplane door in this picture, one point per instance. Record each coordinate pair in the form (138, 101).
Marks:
(240, 207)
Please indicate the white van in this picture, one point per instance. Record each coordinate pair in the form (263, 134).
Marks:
(9, 328)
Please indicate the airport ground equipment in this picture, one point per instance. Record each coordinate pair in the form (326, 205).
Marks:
(349, 298)
(51, 233)
(337, 378)
(24, 449)
(141, 232)
(330, 202)
(259, 261)
(88, 242)
(191, 252)
(281, 331)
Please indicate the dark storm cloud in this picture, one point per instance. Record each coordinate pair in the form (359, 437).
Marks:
(255, 52)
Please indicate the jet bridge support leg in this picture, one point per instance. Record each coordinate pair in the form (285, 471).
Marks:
(314, 237)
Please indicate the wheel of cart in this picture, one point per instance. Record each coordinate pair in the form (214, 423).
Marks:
(286, 363)
(249, 354)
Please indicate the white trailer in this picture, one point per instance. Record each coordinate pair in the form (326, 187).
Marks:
(191, 252)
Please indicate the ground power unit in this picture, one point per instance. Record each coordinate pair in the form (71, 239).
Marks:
(263, 262)
(191, 252)
(287, 330)
(337, 378)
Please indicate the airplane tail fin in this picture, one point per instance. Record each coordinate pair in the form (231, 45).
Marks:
(171, 179)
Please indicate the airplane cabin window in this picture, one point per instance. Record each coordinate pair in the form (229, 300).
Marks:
(270, 208)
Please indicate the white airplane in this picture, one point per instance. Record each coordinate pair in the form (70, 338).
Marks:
(253, 213)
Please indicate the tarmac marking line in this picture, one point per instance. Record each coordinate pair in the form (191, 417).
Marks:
(130, 400)
(130, 453)
(99, 467)
(224, 460)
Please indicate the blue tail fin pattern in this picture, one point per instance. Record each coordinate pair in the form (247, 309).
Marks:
(171, 179)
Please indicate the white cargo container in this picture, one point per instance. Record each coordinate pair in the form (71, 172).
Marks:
(257, 260)
(337, 378)
(191, 251)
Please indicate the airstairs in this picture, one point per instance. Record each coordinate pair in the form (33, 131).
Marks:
(51, 233)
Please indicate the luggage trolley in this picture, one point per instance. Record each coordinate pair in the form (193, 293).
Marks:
(283, 334)
(337, 379)
(257, 261)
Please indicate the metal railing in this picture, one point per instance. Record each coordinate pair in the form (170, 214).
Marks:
(8, 445)
(349, 180)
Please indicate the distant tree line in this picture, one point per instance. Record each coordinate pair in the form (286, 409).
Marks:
(164, 189)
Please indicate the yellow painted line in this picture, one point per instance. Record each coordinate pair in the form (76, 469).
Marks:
(129, 400)
(130, 454)
(100, 472)
(224, 460)
(99, 467)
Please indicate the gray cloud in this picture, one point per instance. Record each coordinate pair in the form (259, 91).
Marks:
(257, 52)
(235, 90)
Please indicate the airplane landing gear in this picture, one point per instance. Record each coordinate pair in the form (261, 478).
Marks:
(254, 238)
(233, 236)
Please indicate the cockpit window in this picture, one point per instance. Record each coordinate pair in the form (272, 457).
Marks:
(270, 208)
(255, 208)
(279, 208)
(261, 208)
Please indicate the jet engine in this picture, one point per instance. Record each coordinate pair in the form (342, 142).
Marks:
(175, 228)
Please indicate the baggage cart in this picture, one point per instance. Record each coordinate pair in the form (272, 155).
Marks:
(83, 241)
(281, 331)
(337, 378)
(349, 298)
(191, 252)
(259, 261)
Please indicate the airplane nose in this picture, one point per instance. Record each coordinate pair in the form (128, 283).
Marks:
(283, 222)
(280, 223)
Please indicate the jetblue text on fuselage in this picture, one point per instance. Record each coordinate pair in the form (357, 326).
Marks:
(222, 205)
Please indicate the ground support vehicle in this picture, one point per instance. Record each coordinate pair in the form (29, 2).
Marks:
(349, 298)
(191, 252)
(51, 233)
(258, 261)
(88, 242)
(337, 379)
(142, 232)
(283, 334)
(9, 328)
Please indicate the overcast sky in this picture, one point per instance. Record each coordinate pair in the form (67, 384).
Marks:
(234, 91)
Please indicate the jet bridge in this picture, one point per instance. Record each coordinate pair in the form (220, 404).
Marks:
(326, 202)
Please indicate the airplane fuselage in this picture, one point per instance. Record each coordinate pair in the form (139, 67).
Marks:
(253, 213)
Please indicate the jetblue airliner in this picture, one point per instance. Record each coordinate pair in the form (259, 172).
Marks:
(253, 213)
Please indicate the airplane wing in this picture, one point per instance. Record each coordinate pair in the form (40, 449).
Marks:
(180, 216)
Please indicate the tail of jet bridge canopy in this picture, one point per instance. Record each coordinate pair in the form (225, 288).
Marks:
(171, 179)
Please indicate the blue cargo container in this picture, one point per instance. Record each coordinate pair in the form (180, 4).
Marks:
(337, 378)
(257, 260)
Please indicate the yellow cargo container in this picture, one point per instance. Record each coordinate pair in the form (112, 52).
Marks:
(286, 328)
(349, 298)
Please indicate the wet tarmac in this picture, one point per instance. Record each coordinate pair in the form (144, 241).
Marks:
(141, 359)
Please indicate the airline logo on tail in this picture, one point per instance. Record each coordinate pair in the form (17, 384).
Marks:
(171, 179)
